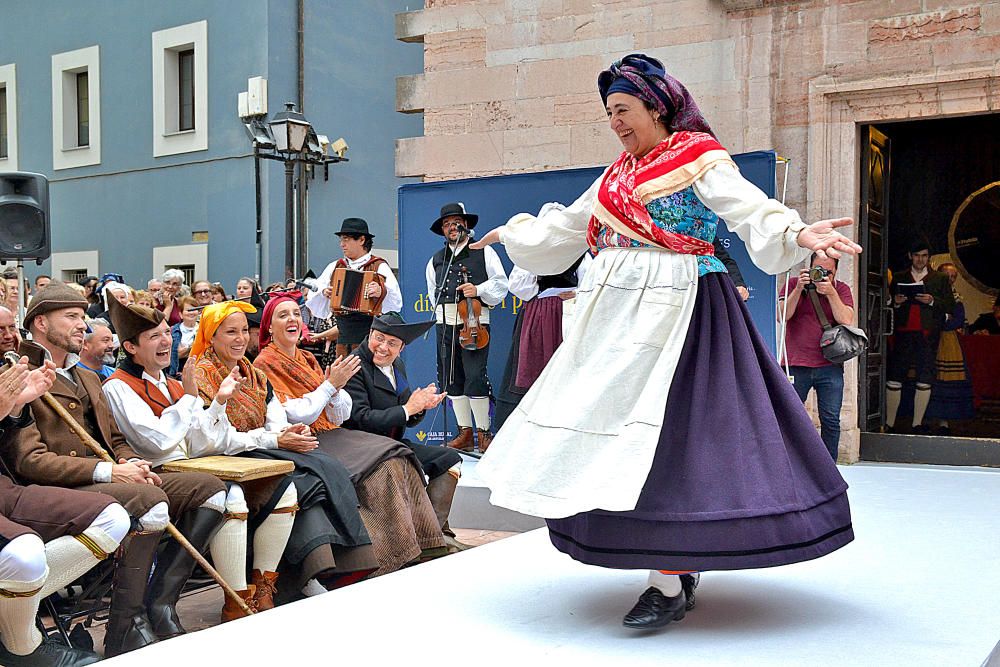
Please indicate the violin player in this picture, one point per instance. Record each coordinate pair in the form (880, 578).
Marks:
(462, 368)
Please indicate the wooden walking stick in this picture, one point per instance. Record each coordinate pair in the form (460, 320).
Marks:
(102, 453)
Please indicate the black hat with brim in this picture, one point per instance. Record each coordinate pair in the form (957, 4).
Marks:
(454, 208)
(354, 227)
(392, 324)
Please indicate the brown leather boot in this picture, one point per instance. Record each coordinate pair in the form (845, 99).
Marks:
(231, 611)
(266, 588)
(462, 441)
(485, 438)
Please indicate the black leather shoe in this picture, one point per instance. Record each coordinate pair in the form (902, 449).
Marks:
(689, 582)
(49, 654)
(654, 610)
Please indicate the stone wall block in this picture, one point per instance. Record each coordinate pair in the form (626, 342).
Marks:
(455, 50)
(463, 15)
(449, 87)
(524, 10)
(501, 115)
(845, 43)
(607, 47)
(575, 109)
(945, 23)
(512, 36)
(869, 10)
(536, 148)
(991, 18)
(679, 15)
(613, 22)
(447, 120)
(410, 93)
(967, 50)
(546, 78)
(464, 153)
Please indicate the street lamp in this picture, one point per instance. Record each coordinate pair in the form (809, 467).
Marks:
(287, 138)
(289, 129)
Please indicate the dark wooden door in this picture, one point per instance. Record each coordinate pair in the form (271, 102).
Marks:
(874, 315)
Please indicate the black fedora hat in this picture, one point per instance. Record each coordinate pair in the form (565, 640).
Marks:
(355, 227)
(392, 324)
(454, 208)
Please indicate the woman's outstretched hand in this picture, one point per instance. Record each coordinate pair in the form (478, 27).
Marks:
(823, 238)
(491, 237)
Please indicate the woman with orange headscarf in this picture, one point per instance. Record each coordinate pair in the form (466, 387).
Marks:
(386, 473)
(329, 542)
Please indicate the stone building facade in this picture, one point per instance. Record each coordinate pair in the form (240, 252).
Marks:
(509, 85)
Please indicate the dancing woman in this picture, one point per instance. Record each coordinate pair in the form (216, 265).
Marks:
(662, 435)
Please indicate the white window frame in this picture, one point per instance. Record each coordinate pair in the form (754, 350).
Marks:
(72, 261)
(167, 139)
(179, 255)
(65, 66)
(8, 80)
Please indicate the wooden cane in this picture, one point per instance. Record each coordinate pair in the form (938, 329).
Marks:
(102, 453)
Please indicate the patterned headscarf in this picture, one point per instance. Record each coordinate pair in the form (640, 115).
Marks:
(211, 317)
(644, 77)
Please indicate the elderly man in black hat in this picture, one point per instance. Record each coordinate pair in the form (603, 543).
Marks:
(356, 244)
(384, 403)
(454, 273)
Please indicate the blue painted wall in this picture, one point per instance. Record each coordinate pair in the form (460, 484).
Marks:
(132, 201)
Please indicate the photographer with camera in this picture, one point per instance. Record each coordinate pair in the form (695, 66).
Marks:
(808, 367)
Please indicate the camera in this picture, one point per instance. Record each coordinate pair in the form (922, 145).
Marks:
(818, 274)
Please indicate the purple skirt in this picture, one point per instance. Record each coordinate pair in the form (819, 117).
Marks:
(541, 334)
(740, 478)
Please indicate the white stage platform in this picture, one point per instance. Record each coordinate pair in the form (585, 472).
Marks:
(920, 585)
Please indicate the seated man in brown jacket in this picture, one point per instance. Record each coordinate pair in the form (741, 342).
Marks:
(48, 538)
(48, 452)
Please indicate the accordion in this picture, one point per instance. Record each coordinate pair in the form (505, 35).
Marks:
(347, 292)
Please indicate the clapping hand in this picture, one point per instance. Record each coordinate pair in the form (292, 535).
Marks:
(821, 237)
(424, 398)
(230, 385)
(188, 380)
(342, 370)
(13, 382)
(297, 438)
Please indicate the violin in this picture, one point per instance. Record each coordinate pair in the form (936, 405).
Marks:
(472, 334)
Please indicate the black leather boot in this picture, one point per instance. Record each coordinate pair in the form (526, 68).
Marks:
(129, 628)
(174, 566)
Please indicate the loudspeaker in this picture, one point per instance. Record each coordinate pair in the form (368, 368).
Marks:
(24, 216)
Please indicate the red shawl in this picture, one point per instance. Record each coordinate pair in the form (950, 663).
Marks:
(631, 183)
(293, 377)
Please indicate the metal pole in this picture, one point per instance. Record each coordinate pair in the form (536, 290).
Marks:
(260, 226)
(289, 219)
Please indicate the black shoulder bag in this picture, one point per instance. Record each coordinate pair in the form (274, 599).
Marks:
(838, 343)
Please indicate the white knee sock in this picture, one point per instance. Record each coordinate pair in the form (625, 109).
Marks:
(893, 390)
(481, 410)
(921, 397)
(229, 546)
(271, 537)
(23, 568)
(156, 519)
(69, 557)
(669, 584)
(463, 412)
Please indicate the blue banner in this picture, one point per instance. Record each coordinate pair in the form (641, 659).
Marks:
(495, 199)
